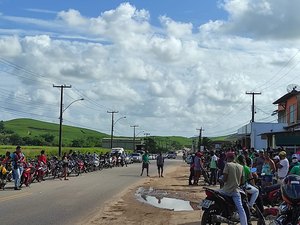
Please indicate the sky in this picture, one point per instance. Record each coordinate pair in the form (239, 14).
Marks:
(170, 67)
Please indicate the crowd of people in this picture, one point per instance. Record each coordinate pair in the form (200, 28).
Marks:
(234, 168)
(272, 166)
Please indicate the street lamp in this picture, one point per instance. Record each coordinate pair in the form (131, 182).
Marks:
(60, 123)
(139, 133)
(112, 128)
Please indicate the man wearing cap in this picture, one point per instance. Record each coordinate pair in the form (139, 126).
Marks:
(283, 166)
(232, 177)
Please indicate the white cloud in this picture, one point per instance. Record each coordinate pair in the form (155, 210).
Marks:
(169, 80)
(10, 46)
(272, 19)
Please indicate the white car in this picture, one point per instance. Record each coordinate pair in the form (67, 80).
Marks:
(136, 157)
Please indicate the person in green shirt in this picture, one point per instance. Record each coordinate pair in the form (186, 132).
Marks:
(145, 165)
(248, 181)
(295, 170)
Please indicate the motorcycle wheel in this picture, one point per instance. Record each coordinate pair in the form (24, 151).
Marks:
(207, 217)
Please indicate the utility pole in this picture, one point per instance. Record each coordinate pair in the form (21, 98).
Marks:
(112, 127)
(61, 113)
(134, 126)
(253, 110)
(200, 138)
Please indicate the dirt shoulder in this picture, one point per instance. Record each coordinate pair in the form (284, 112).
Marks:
(126, 209)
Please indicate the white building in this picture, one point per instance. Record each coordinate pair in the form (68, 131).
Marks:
(250, 134)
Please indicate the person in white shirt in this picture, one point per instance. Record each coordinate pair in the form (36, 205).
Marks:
(213, 168)
(283, 166)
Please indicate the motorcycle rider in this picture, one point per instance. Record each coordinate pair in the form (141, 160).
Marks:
(42, 160)
(232, 177)
(249, 182)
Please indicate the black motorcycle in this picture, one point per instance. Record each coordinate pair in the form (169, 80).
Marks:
(219, 208)
(289, 209)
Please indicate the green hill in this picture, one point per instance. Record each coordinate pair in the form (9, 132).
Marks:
(31, 128)
(34, 128)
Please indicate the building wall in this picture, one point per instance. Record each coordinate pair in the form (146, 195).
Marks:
(292, 101)
(258, 128)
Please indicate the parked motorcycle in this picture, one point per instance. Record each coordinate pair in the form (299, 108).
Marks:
(289, 210)
(219, 208)
(27, 175)
(271, 195)
(4, 174)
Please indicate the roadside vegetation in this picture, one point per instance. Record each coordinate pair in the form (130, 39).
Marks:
(34, 135)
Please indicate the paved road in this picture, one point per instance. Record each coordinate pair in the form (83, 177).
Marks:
(67, 202)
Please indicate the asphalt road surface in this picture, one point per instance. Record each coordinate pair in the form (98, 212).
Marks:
(67, 202)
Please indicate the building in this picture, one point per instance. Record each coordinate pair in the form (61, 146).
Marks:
(288, 112)
(250, 135)
(285, 133)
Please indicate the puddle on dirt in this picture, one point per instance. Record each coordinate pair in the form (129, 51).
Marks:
(159, 199)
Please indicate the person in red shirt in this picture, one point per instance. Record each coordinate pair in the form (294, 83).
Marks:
(42, 157)
(6, 160)
(42, 161)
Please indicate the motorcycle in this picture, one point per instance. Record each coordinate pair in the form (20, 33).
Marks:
(27, 174)
(271, 195)
(4, 174)
(289, 209)
(218, 208)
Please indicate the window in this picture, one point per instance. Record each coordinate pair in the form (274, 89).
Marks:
(292, 113)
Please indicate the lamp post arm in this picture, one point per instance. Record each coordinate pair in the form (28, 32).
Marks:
(124, 117)
(72, 103)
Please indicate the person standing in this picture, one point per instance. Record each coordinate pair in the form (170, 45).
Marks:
(259, 161)
(295, 162)
(18, 160)
(283, 166)
(192, 172)
(145, 165)
(232, 177)
(160, 164)
(268, 170)
(65, 165)
(197, 168)
(213, 168)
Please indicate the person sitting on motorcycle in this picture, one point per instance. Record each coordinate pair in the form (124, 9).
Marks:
(42, 157)
(232, 177)
(248, 181)
(42, 161)
(7, 160)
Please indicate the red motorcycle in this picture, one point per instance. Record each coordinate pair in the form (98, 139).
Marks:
(27, 174)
